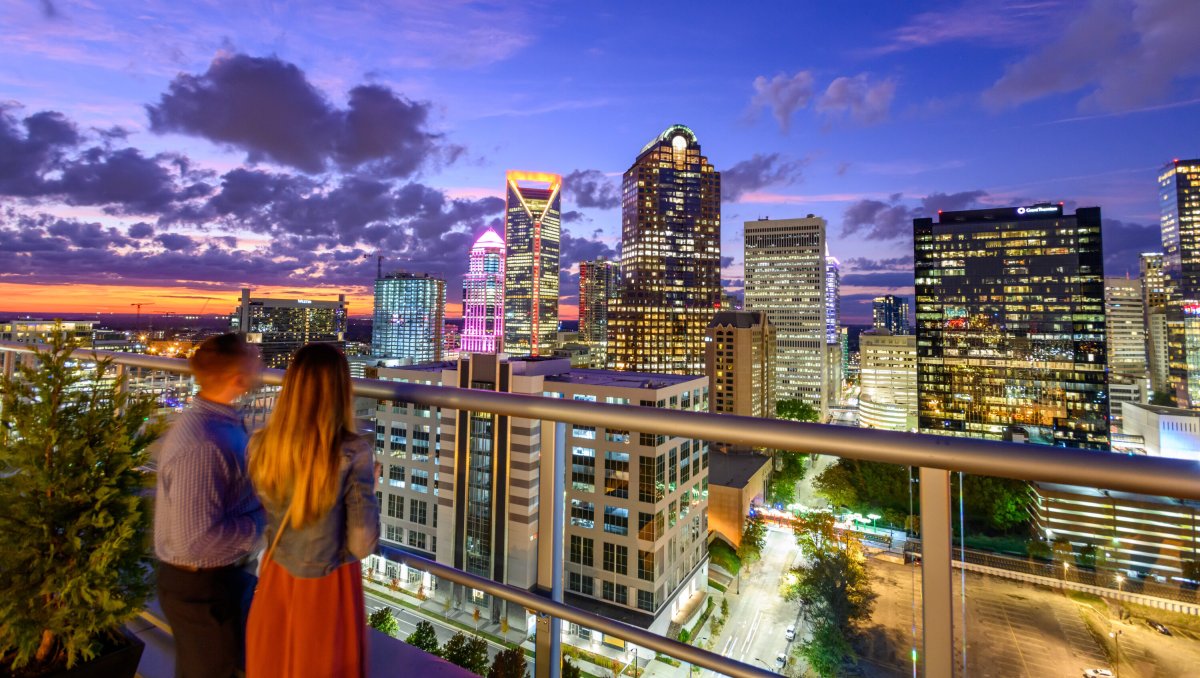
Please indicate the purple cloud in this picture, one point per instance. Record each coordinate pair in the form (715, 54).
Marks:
(892, 219)
(783, 95)
(858, 97)
(759, 171)
(592, 188)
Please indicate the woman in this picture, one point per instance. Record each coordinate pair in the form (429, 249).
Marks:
(316, 477)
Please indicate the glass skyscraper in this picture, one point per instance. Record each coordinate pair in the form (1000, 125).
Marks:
(532, 231)
(1010, 326)
(1154, 308)
(670, 258)
(597, 283)
(1179, 196)
(890, 313)
(483, 296)
(409, 310)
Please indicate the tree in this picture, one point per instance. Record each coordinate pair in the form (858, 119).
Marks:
(509, 663)
(469, 652)
(754, 538)
(1087, 556)
(1063, 553)
(827, 651)
(834, 587)
(795, 410)
(1163, 398)
(1037, 549)
(424, 637)
(74, 509)
(570, 670)
(781, 488)
(382, 620)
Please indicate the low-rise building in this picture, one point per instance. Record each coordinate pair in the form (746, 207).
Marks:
(737, 480)
(1165, 431)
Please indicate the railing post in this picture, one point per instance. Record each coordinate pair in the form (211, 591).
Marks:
(548, 660)
(936, 587)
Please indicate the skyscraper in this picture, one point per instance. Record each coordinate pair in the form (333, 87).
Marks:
(409, 314)
(786, 271)
(1179, 196)
(833, 296)
(483, 296)
(597, 284)
(1010, 325)
(741, 364)
(1125, 325)
(532, 232)
(888, 375)
(1154, 306)
(891, 313)
(670, 258)
(280, 326)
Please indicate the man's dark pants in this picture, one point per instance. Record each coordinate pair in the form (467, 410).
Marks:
(207, 612)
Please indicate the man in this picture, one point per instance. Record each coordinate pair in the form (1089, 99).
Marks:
(207, 518)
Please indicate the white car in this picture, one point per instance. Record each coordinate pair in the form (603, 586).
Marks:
(781, 660)
(790, 634)
(1097, 673)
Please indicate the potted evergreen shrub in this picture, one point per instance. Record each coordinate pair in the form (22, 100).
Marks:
(74, 516)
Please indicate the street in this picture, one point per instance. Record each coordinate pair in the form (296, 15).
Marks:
(758, 616)
(408, 619)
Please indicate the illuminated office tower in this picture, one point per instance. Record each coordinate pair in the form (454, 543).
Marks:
(1154, 306)
(670, 258)
(532, 231)
(891, 313)
(280, 326)
(888, 375)
(409, 317)
(1010, 326)
(833, 321)
(483, 296)
(1125, 325)
(786, 271)
(741, 364)
(597, 283)
(1179, 196)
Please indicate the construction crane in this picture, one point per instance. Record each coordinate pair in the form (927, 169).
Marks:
(138, 323)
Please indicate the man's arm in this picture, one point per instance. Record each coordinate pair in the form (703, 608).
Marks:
(203, 489)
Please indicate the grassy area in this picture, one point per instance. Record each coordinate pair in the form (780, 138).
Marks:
(389, 596)
(670, 661)
(1093, 601)
(1011, 544)
(1142, 613)
(723, 554)
(717, 585)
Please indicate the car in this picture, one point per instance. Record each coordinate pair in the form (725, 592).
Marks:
(790, 634)
(781, 660)
(1158, 627)
(1097, 673)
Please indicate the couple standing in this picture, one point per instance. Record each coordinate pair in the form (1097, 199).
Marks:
(306, 480)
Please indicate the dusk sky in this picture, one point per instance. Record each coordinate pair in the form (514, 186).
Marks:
(172, 152)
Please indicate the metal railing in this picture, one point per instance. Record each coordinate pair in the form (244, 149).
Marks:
(935, 456)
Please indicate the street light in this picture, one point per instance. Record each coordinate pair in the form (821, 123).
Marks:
(1120, 580)
(1066, 567)
(873, 517)
(1116, 636)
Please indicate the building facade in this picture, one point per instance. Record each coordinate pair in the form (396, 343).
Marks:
(891, 313)
(483, 296)
(532, 235)
(741, 364)
(1179, 198)
(409, 317)
(597, 285)
(1154, 307)
(786, 277)
(670, 258)
(1010, 326)
(468, 488)
(280, 326)
(888, 377)
(1125, 320)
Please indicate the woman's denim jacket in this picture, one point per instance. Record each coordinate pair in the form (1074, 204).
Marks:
(348, 533)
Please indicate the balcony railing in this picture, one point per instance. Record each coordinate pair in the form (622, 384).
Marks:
(935, 456)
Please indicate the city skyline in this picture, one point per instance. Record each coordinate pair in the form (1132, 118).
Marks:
(113, 174)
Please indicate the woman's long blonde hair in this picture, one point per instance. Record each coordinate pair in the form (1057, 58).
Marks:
(295, 456)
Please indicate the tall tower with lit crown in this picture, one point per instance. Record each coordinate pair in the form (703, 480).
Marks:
(532, 232)
(483, 296)
(670, 258)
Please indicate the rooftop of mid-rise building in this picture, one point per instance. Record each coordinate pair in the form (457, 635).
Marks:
(1166, 410)
(741, 320)
(1041, 210)
(559, 370)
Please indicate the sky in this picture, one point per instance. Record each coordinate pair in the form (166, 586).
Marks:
(170, 153)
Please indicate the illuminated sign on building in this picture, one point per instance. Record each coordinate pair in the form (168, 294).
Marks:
(1040, 209)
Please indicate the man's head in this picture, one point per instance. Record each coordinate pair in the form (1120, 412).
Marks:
(225, 367)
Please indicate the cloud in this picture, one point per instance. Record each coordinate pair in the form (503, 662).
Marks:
(888, 280)
(1124, 54)
(858, 97)
(892, 220)
(269, 109)
(49, 10)
(573, 216)
(759, 171)
(866, 265)
(1007, 23)
(1124, 242)
(592, 188)
(783, 95)
(574, 250)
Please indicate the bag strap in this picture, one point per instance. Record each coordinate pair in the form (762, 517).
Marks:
(279, 533)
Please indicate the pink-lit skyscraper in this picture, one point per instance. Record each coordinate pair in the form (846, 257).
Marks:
(483, 296)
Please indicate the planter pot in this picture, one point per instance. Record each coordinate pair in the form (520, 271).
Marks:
(118, 662)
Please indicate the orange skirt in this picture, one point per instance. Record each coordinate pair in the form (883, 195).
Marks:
(307, 627)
